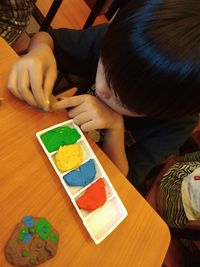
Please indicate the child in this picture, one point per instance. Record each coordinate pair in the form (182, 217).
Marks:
(147, 80)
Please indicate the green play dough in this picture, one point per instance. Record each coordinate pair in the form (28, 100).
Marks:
(60, 136)
(24, 253)
(54, 238)
(23, 233)
(43, 228)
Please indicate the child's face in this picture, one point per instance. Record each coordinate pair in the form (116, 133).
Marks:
(108, 96)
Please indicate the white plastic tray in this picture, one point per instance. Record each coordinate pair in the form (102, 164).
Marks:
(102, 221)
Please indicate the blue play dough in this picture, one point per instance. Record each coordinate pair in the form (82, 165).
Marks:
(28, 221)
(44, 230)
(27, 238)
(83, 176)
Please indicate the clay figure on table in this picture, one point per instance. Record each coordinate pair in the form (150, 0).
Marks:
(33, 242)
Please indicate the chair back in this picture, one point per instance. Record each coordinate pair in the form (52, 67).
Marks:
(102, 7)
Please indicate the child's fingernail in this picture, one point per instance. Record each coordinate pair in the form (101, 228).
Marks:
(46, 100)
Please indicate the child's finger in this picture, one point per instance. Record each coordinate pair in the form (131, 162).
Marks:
(23, 87)
(82, 118)
(49, 82)
(75, 111)
(88, 126)
(36, 80)
(12, 83)
(68, 102)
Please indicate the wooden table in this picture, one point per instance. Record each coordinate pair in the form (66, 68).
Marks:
(30, 186)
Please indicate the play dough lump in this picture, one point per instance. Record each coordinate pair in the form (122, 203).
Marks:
(69, 157)
(94, 197)
(82, 176)
(33, 242)
(63, 135)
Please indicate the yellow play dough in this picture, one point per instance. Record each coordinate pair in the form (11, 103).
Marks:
(69, 157)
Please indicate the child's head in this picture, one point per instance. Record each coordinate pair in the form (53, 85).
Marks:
(151, 57)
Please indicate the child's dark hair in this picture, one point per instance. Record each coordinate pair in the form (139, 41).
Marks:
(151, 57)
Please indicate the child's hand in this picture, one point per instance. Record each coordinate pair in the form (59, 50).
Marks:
(90, 113)
(33, 76)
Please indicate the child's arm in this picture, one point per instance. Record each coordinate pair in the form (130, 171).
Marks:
(113, 146)
(33, 76)
(91, 113)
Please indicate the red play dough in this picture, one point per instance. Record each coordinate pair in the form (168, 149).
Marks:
(94, 197)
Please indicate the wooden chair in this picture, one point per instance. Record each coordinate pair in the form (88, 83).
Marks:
(102, 7)
(45, 22)
(21, 45)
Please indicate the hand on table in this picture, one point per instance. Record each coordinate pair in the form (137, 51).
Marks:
(32, 78)
(89, 112)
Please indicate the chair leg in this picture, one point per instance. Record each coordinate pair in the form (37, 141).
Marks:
(38, 16)
(45, 22)
(50, 15)
(94, 13)
(114, 7)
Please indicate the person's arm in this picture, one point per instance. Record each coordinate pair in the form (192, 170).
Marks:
(41, 38)
(33, 76)
(113, 146)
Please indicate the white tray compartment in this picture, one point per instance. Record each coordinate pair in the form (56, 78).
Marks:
(104, 220)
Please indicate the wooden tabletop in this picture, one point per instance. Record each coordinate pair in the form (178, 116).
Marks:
(30, 186)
